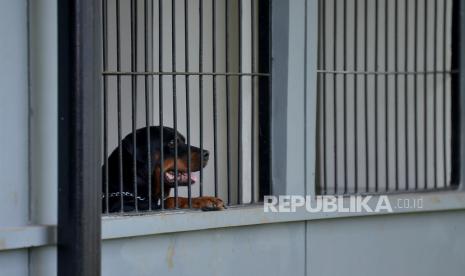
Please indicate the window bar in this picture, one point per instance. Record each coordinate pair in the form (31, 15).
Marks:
(406, 96)
(215, 113)
(435, 91)
(147, 105)
(239, 132)
(118, 68)
(355, 96)
(376, 96)
(105, 102)
(425, 102)
(228, 119)
(386, 87)
(444, 88)
(160, 100)
(134, 95)
(175, 111)
(334, 94)
(186, 57)
(323, 49)
(252, 153)
(344, 99)
(365, 80)
(396, 94)
(201, 94)
(415, 88)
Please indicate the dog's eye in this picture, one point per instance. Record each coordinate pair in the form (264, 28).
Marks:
(172, 143)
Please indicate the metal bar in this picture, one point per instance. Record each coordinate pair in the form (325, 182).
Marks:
(365, 67)
(175, 110)
(79, 143)
(344, 99)
(435, 124)
(415, 88)
(376, 97)
(105, 101)
(444, 89)
(334, 94)
(239, 132)
(188, 73)
(396, 94)
(252, 153)
(355, 97)
(160, 101)
(215, 112)
(323, 49)
(188, 134)
(386, 89)
(134, 97)
(147, 101)
(201, 94)
(406, 94)
(425, 102)
(347, 72)
(264, 95)
(228, 120)
(457, 92)
(120, 136)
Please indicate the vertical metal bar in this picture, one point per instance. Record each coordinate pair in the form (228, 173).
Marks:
(160, 101)
(105, 101)
(334, 94)
(435, 123)
(323, 59)
(147, 103)
(118, 78)
(175, 110)
(415, 88)
(396, 94)
(188, 134)
(425, 102)
(252, 153)
(386, 88)
(376, 96)
(444, 89)
(215, 112)
(365, 80)
(344, 99)
(201, 94)
(79, 143)
(355, 97)
(407, 172)
(134, 96)
(239, 132)
(228, 120)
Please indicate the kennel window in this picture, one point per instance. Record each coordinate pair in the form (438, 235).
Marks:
(184, 73)
(386, 96)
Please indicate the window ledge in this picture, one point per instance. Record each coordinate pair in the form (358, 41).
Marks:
(167, 222)
(114, 227)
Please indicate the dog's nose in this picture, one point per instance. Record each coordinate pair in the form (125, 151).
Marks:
(206, 154)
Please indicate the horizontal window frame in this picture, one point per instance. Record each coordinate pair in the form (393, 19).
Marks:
(169, 222)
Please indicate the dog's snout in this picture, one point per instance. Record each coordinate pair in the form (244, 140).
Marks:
(206, 154)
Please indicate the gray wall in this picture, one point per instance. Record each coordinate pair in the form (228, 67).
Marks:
(403, 244)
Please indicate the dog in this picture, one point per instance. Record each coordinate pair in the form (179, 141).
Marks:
(124, 189)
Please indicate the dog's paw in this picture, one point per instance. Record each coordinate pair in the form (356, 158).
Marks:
(209, 203)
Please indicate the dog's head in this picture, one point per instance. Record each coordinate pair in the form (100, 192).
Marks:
(175, 155)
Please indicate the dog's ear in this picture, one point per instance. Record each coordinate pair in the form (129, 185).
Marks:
(141, 147)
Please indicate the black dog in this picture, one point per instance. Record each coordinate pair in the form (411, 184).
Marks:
(124, 189)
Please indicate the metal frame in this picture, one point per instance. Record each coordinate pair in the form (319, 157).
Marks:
(385, 78)
(79, 188)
